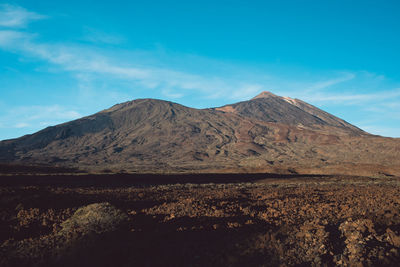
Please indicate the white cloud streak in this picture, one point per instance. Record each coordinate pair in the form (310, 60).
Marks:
(330, 82)
(9, 37)
(96, 36)
(28, 116)
(83, 60)
(16, 16)
(352, 99)
(173, 84)
(21, 125)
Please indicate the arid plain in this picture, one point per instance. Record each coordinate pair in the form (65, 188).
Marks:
(199, 220)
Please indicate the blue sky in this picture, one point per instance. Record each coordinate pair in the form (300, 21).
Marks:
(60, 60)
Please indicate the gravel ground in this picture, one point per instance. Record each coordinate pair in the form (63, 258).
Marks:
(308, 221)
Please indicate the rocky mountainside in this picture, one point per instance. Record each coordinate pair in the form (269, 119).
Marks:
(268, 107)
(268, 133)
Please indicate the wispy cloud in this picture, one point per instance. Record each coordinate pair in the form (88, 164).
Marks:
(171, 94)
(21, 125)
(16, 16)
(316, 86)
(9, 37)
(83, 60)
(29, 116)
(353, 99)
(21, 120)
(97, 36)
(247, 91)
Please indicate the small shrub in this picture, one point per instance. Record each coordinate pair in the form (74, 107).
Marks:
(94, 218)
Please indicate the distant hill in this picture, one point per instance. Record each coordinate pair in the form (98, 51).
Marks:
(268, 133)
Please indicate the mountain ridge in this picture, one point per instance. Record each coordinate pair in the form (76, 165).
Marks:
(268, 133)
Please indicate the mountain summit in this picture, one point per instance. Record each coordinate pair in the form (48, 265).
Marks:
(264, 94)
(268, 133)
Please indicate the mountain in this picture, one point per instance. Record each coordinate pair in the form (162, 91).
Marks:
(268, 133)
(268, 107)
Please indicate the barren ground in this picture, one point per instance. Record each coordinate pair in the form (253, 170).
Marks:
(203, 220)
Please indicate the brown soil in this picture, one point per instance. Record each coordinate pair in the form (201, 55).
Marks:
(259, 221)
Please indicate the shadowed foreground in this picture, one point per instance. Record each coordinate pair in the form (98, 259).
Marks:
(260, 222)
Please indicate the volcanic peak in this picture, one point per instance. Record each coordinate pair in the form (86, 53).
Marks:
(264, 94)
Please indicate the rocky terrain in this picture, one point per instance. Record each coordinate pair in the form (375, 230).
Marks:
(265, 182)
(122, 220)
(268, 133)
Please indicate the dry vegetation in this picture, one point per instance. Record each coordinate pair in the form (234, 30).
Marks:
(299, 221)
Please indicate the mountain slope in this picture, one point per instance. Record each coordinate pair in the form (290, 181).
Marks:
(268, 107)
(267, 133)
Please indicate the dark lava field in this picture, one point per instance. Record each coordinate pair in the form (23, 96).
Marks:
(199, 220)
